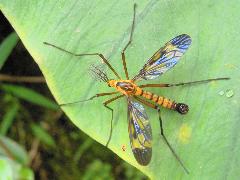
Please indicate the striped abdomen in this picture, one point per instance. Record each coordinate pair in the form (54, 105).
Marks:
(162, 101)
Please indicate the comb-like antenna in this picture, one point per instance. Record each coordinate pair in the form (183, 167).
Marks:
(98, 73)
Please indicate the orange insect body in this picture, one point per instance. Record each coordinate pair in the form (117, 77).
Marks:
(129, 88)
(126, 87)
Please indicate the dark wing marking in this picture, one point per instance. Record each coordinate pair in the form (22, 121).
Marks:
(165, 58)
(140, 133)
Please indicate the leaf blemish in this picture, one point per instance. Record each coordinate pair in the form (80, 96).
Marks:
(221, 93)
(229, 93)
(230, 66)
(185, 133)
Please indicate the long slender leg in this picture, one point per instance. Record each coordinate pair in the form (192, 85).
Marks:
(125, 65)
(129, 42)
(183, 83)
(168, 144)
(105, 104)
(86, 54)
(161, 128)
(89, 99)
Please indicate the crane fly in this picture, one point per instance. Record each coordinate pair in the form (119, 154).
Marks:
(139, 129)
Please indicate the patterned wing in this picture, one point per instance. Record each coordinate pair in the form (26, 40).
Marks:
(140, 133)
(165, 58)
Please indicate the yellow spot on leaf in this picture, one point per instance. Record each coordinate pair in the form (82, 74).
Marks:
(185, 133)
(213, 84)
(230, 66)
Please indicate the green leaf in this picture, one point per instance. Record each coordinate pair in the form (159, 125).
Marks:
(10, 169)
(29, 95)
(206, 139)
(131, 172)
(98, 170)
(43, 135)
(8, 118)
(26, 174)
(11, 149)
(82, 149)
(5, 169)
(7, 46)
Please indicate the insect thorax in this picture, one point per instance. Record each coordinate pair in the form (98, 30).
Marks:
(126, 87)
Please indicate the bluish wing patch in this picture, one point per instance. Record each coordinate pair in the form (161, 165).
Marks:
(165, 58)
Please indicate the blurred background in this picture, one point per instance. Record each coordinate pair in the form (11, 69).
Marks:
(36, 139)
